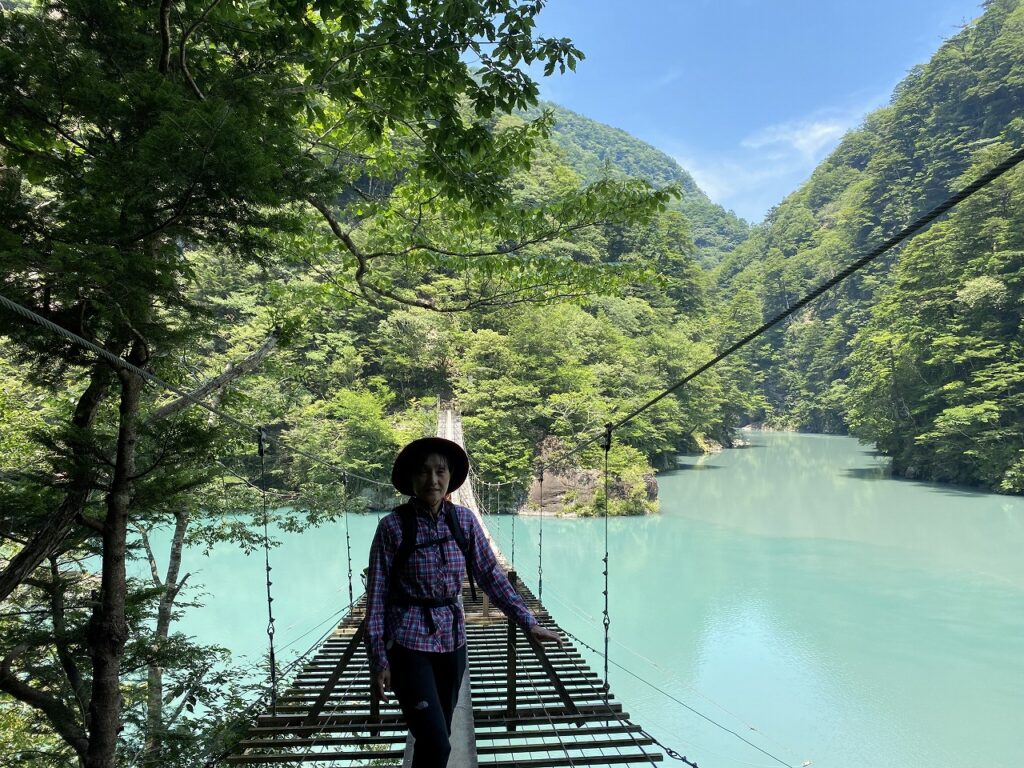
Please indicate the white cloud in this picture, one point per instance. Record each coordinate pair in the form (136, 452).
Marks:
(746, 187)
(769, 162)
(667, 78)
(805, 137)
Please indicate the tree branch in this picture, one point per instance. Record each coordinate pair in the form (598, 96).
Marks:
(49, 124)
(507, 298)
(181, 521)
(153, 569)
(184, 699)
(181, 49)
(231, 373)
(501, 250)
(93, 525)
(62, 718)
(60, 637)
(366, 287)
(48, 538)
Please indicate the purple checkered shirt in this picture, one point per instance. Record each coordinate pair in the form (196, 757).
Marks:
(432, 571)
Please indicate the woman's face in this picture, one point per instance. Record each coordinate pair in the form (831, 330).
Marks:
(430, 483)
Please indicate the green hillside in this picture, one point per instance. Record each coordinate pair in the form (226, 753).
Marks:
(592, 148)
(922, 355)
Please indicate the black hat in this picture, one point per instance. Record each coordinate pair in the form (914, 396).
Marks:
(411, 458)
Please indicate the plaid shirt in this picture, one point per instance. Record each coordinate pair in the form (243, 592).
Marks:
(432, 571)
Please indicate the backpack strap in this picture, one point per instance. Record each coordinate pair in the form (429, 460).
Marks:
(452, 518)
(407, 518)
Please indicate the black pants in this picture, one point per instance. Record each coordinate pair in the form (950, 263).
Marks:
(427, 688)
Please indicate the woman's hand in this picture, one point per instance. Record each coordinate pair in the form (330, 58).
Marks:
(545, 635)
(382, 683)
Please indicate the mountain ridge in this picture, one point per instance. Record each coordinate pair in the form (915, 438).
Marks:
(592, 148)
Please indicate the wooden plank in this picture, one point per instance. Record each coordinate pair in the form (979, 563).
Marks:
(562, 741)
(557, 762)
(576, 688)
(316, 741)
(482, 734)
(549, 719)
(491, 676)
(309, 757)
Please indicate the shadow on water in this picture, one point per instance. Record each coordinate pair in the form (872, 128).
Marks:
(950, 490)
(682, 466)
(884, 473)
(868, 473)
(875, 453)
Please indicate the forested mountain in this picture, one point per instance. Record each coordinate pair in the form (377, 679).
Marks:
(592, 148)
(922, 354)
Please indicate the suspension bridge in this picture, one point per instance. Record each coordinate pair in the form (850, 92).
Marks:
(521, 704)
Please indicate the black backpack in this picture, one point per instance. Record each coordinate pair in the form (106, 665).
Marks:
(396, 595)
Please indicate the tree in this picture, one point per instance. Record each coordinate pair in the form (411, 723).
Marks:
(133, 135)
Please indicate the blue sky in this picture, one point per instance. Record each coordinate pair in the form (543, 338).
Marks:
(748, 96)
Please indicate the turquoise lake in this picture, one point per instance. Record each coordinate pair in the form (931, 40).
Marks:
(790, 591)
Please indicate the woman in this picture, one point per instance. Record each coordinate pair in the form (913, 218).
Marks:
(416, 627)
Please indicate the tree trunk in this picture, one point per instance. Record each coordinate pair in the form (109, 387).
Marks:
(155, 678)
(107, 631)
(48, 539)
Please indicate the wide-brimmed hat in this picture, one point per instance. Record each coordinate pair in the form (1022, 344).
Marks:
(410, 459)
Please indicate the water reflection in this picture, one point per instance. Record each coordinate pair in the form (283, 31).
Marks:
(811, 486)
(851, 619)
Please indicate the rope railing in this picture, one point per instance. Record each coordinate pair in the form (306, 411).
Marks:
(606, 620)
(680, 702)
(151, 378)
(258, 701)
(271, 629)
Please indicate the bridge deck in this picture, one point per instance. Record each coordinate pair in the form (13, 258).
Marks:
(552, 711)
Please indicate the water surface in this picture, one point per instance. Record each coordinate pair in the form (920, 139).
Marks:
(790, 591)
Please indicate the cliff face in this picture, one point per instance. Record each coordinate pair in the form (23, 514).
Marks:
(573, 490)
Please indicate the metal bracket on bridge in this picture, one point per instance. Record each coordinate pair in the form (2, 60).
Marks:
(545, 662)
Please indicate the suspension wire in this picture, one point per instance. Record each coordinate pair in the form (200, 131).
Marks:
(332, 709)
(348, 536)
(581, 613)
(915, 227)
(270, 599)
(513, 530)
(586, 616)
(551, 721)
(540, 542)
(613, 715)
(213, 760)
(627, 722)
(514, 516)
(338, 614)
(607, 617)
(681, 703)
(151, 378)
